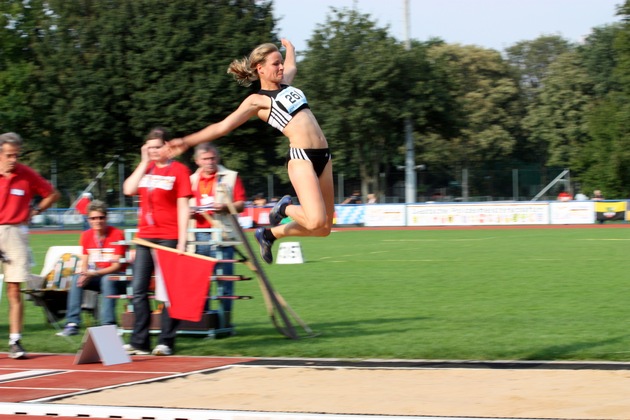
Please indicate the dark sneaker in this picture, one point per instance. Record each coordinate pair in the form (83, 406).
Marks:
(265, 245)
(275, 215)
(131, 350)
(69, 330)
(16, 351)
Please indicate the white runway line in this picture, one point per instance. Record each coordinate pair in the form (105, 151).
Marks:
(26, 374)
(87, 411)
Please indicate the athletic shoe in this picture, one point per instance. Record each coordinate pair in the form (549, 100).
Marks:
(275, 215)
(70, 329)
(265, 245)
(131, 350)
(162, 350)
(16, 351)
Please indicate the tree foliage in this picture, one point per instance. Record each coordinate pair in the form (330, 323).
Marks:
(530, 60)
(607, 157)
(105, 72)
(485, 117)
(364, 85)
(557, 118)
(351, 73)
(18, 26)
(83, 80)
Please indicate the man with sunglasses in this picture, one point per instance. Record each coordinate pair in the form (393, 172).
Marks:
(102, 252)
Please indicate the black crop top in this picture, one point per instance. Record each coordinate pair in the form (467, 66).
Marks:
(285, 103)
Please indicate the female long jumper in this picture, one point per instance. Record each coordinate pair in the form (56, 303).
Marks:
(309, 161)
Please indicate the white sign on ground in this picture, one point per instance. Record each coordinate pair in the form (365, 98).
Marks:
(102, 344)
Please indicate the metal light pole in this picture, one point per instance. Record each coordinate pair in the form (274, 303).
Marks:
(121, 179)
(410, 164)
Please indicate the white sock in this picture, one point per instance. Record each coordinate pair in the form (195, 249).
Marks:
(14, 337)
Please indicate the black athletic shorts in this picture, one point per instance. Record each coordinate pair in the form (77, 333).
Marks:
(318, 157)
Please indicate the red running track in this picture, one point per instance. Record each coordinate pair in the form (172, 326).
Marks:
(44, 376)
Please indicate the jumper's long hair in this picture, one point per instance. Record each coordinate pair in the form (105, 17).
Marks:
(244, 70)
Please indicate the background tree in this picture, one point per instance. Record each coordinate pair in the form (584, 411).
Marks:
(530, 60)
(485, 118)
(83, 81)
(18, 27)
(349, 71)
(362, 85)
(599, 58)
(178, 74)
(607, 157)
(557, 118)
(109, 71)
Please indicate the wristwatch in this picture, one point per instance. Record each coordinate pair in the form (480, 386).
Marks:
(37, 209)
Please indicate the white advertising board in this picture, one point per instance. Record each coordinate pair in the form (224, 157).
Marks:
(478, 214)
(385, 215)
(572, 212)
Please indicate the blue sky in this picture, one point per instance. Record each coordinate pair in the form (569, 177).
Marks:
(493, 24)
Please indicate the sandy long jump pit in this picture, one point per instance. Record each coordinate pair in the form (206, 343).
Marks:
(520, 390)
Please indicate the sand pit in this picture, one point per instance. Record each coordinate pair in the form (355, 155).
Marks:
(467, 392)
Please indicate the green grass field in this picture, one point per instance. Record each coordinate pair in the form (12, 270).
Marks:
(493, 294)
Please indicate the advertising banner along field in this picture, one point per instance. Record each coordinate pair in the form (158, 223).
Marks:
(483, 213)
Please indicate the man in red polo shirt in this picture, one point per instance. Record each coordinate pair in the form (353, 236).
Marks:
(18, 185)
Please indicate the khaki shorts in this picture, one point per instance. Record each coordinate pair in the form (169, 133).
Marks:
(14, 244)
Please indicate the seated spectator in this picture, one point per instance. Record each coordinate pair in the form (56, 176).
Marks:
(259, 200)
(101, 258)
(355, 198)
(371, 198)
(581, 197)
(437, 196)
(564, 196)
(598, 196)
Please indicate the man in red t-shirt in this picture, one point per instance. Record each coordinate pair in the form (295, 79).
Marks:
(102, 252)
(18, 185)
(209, 198)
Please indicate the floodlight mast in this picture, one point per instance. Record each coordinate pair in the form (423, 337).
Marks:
(410, 171)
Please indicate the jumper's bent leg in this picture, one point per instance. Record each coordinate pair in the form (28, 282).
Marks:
(314, 215)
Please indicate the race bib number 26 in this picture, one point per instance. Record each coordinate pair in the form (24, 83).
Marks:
(291, 98)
